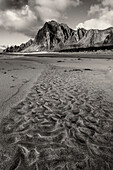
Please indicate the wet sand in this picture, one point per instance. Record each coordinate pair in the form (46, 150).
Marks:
(16, 79)
(66, 120)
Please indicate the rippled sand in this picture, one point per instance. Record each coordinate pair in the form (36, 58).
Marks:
(16, 79)
(65, 123)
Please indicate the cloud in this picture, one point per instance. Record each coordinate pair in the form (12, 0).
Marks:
(51, 9)
(107, 3)
(100, 16)
(22, 20)
(12, 4)
(26, 16)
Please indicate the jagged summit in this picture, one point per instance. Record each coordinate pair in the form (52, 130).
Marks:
(54, 36)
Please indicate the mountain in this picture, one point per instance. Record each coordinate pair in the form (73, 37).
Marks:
(18, 48)
(2, 47)
(95, 37)
(55, 37)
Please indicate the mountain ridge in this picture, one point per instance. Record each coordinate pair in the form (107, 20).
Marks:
(54, 36)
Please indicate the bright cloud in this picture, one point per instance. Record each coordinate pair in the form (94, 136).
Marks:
(51, 9)
(107, 3)
(27, 16)
(101, 16)
(21, 20)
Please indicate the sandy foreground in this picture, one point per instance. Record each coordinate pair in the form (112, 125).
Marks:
(16, 79)
(61, 114)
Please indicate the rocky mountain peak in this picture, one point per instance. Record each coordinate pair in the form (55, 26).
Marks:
(54, 36)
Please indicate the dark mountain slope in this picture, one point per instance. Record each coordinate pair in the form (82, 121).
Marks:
(55, 37)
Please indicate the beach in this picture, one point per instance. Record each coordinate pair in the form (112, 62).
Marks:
(56, 113)
(16, 79)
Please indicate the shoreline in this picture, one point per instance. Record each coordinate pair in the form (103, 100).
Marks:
(92, 55)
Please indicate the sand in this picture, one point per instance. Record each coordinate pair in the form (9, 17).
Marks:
(16, 79)
(65, 122)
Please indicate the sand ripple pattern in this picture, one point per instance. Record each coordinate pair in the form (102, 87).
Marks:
(65, 123)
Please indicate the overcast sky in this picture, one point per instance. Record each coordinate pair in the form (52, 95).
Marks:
(20, 20)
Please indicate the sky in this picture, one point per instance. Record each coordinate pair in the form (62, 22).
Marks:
(20, 20)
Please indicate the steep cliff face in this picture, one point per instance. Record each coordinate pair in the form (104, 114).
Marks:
(109, 36)
(54, 37)
(95, 38)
